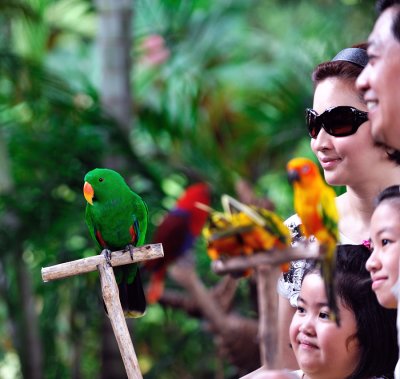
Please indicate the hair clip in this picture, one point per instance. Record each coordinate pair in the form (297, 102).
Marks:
(354, 55)
(367, 244)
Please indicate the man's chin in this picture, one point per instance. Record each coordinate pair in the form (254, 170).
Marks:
(379, 137)
(392, 152)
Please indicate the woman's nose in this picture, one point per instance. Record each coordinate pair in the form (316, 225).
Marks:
(322, 142)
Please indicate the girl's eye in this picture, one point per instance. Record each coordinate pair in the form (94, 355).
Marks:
(324, 315)
(385, 241)
(300, 309)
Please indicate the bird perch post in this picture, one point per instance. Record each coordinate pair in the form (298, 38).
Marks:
(110, 292)
(266, 266)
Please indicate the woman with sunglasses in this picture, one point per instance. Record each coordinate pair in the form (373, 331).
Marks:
(342, 142)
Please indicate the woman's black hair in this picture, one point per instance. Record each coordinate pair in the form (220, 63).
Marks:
(376, 326)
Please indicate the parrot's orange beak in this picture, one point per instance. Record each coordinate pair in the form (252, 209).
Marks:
(88, 192)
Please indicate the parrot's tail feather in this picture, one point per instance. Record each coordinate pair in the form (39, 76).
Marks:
(133, 300)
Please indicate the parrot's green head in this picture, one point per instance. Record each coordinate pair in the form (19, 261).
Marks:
(102, 184)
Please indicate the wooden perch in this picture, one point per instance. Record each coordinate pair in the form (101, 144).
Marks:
(118, 258)
(274, 257)
(267, 277)
(266, 266)
(110, 292)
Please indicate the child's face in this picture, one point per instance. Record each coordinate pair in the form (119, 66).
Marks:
(383, 264)
(322, 348)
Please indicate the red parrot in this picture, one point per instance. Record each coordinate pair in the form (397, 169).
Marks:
(177, 233)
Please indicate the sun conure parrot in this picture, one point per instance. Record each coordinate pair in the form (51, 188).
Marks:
(177, 233)
(314, 203)
(245, 231)
(117, 220)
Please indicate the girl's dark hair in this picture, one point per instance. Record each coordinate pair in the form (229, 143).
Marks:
(346, 70)
(376, 326)
(392, 192)
(382, 5)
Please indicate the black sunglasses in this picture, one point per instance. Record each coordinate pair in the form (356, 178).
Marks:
(339, 121)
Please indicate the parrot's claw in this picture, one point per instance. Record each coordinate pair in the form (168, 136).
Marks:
(130, 249)
(107, 256)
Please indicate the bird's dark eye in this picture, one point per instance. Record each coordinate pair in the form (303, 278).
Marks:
(101, 179)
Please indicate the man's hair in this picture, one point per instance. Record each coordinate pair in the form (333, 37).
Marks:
(382, 5)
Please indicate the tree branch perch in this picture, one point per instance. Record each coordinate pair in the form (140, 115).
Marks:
(271, 257)
(110, 292)
(84, 265)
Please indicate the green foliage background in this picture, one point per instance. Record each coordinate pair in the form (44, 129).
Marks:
(227, 103)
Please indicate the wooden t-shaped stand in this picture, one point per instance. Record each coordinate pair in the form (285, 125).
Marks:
(110, 292)
(266, 265)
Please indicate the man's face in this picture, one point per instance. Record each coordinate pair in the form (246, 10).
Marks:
(380, 81)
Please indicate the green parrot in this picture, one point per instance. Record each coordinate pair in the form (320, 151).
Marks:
(117, 219)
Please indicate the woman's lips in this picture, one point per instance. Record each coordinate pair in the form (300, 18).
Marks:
(328, 163)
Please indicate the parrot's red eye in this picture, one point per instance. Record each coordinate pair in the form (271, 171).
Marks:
(101, 179)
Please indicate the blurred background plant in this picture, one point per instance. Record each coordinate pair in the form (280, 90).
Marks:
(219, 88)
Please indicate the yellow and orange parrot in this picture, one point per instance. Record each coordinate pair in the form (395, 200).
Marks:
(314, 202)
(245, 231)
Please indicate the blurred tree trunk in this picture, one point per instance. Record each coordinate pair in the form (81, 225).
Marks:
(114, 45)
(30, 342)
(24, 318)
(24, 325)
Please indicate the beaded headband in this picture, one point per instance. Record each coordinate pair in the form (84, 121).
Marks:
(354, 55)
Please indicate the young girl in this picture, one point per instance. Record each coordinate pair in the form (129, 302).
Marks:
(383, 263)
(365, 344)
